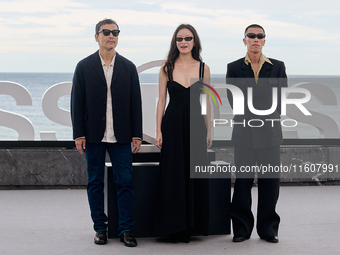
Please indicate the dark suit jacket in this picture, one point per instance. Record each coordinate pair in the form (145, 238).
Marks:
(242, 76)
(89, 95)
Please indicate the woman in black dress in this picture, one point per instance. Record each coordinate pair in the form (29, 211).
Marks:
(182, 207)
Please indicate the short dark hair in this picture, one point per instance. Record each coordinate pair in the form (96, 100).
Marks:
(254, 25)
(104, 22)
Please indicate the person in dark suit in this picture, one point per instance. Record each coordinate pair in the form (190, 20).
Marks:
(107, 116)
(256, 137)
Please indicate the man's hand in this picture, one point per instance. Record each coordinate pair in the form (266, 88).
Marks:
(136, 145)
(81, 144)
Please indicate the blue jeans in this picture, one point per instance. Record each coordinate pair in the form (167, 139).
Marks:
(121, 158)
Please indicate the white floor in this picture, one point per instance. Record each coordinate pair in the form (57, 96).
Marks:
(53, 222)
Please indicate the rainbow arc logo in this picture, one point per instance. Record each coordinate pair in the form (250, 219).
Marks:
(210, 94)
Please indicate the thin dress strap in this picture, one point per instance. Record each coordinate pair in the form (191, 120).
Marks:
(201, 70)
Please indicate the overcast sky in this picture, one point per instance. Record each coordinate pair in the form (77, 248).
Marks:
(53, 35)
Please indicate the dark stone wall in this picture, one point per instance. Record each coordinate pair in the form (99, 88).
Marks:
(52, 167)
(47, 167)
(300, 164)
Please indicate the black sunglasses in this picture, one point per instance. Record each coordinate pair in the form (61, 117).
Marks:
(252, 35)
(187, 39)
(107, 32)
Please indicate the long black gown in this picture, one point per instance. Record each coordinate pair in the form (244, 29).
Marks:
(183, 203)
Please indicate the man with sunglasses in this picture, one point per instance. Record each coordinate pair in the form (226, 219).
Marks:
(256, 144)
(106, 117)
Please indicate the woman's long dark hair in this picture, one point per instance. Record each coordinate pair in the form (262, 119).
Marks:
(174, 52)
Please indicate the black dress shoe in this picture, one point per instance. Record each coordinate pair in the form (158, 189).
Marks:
(272, 239)
(128, 239)
(182, 236)
(239, 238)
(100, 237)
(174, 238)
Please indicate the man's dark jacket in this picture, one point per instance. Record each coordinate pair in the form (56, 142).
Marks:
(241, 75)
(89, 96)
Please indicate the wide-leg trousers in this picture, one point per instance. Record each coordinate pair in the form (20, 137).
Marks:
(268, 192)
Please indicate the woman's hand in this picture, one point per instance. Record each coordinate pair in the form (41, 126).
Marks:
(209, 140)
(159, 140)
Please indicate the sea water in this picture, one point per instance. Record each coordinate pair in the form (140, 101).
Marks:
(38, 83)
